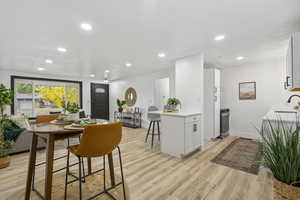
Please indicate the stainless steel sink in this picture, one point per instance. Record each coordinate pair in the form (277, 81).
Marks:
(285, 111)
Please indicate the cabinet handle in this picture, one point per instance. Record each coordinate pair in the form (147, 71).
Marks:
(215, 89)
(285, 87)
(287, 81)
(194, 127)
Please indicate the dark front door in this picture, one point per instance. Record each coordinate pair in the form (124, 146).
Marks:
(100, 101)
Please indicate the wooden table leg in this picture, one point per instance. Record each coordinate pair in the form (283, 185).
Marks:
(111, 169)
(31, 165)
(89, 162)
(49, 166)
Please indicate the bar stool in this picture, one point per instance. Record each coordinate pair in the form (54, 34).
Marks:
(96, 141)
(46, 119)
(153, 118)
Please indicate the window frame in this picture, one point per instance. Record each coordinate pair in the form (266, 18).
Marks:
(12, 86)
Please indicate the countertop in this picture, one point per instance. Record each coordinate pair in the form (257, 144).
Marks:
(176, 114)
(286, 117)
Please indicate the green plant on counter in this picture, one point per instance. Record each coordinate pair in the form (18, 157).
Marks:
(281, 150)
(173, 101)
(120, 104)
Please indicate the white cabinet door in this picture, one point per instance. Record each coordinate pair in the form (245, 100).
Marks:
(192, 136)
(292, 79)
(289, 62)
(217, 106)
(296, 60)
(196, 135)
(188, 143)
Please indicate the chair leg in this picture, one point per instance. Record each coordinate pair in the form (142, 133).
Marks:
(67, 174)
(82, 161)
(148, 131)
(33, 175)
(153, 127)
(104, 180)
(158, 131)
(83, 171)
(80, 178)
(122, 175)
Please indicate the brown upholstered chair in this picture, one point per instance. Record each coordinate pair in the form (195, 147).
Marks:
(46, 118)
(97, 141)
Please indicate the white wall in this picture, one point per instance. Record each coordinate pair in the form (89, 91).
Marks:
(145, 88)
(189, 83)
(5, 79)
(246, 114)
(162, 92)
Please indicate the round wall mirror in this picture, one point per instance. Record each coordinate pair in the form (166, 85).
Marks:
(130, 97)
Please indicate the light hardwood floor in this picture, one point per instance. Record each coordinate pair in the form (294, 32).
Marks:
(152, 175)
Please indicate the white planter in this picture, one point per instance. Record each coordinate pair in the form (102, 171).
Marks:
(72, 116)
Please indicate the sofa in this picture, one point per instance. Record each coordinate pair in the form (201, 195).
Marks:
(23, 143)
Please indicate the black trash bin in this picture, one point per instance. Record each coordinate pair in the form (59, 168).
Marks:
(224, 129)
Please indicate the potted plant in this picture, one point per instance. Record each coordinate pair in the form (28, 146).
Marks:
(73, 111)
(281, 154)
(173, 103)
(5, 147)
(6, 98)
(120, 104)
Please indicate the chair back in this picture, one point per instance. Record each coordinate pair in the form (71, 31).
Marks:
(99, 140)
(152, 116)
(46, 118)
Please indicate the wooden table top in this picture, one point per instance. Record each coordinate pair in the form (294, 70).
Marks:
(56, 129)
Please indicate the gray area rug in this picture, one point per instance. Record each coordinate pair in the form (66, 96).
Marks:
(242, 154)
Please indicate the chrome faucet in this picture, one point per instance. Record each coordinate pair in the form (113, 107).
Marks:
(290, 98)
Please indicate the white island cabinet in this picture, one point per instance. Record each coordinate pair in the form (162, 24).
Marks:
(180, 133)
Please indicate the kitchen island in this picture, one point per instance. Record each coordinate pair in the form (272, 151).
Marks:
(181, 132)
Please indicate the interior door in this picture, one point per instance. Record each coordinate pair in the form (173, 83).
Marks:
(100, 101)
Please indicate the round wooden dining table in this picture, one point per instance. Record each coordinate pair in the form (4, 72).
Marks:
(54, 132)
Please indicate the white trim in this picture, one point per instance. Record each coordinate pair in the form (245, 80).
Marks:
(249, 135)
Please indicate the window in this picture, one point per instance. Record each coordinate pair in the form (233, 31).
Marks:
(38, 96)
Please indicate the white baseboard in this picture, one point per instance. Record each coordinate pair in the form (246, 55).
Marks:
(249, 135)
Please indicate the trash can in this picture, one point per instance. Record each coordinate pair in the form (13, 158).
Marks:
(224, 129)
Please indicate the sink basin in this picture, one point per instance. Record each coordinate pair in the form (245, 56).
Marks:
(285, 111)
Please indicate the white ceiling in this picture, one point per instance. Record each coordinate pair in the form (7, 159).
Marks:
(137, 30)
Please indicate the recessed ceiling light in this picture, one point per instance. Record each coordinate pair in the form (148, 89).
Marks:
(86, 27)
(161, 55)
(107, 71)
(128, 64)
(219, 37)
(92, 75)
(61, 49)
(40, 69)
(48, 61)
(240, 58)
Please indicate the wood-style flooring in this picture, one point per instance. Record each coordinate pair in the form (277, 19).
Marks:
(151, 175)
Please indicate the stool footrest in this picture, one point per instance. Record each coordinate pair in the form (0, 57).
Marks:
(106, 191)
